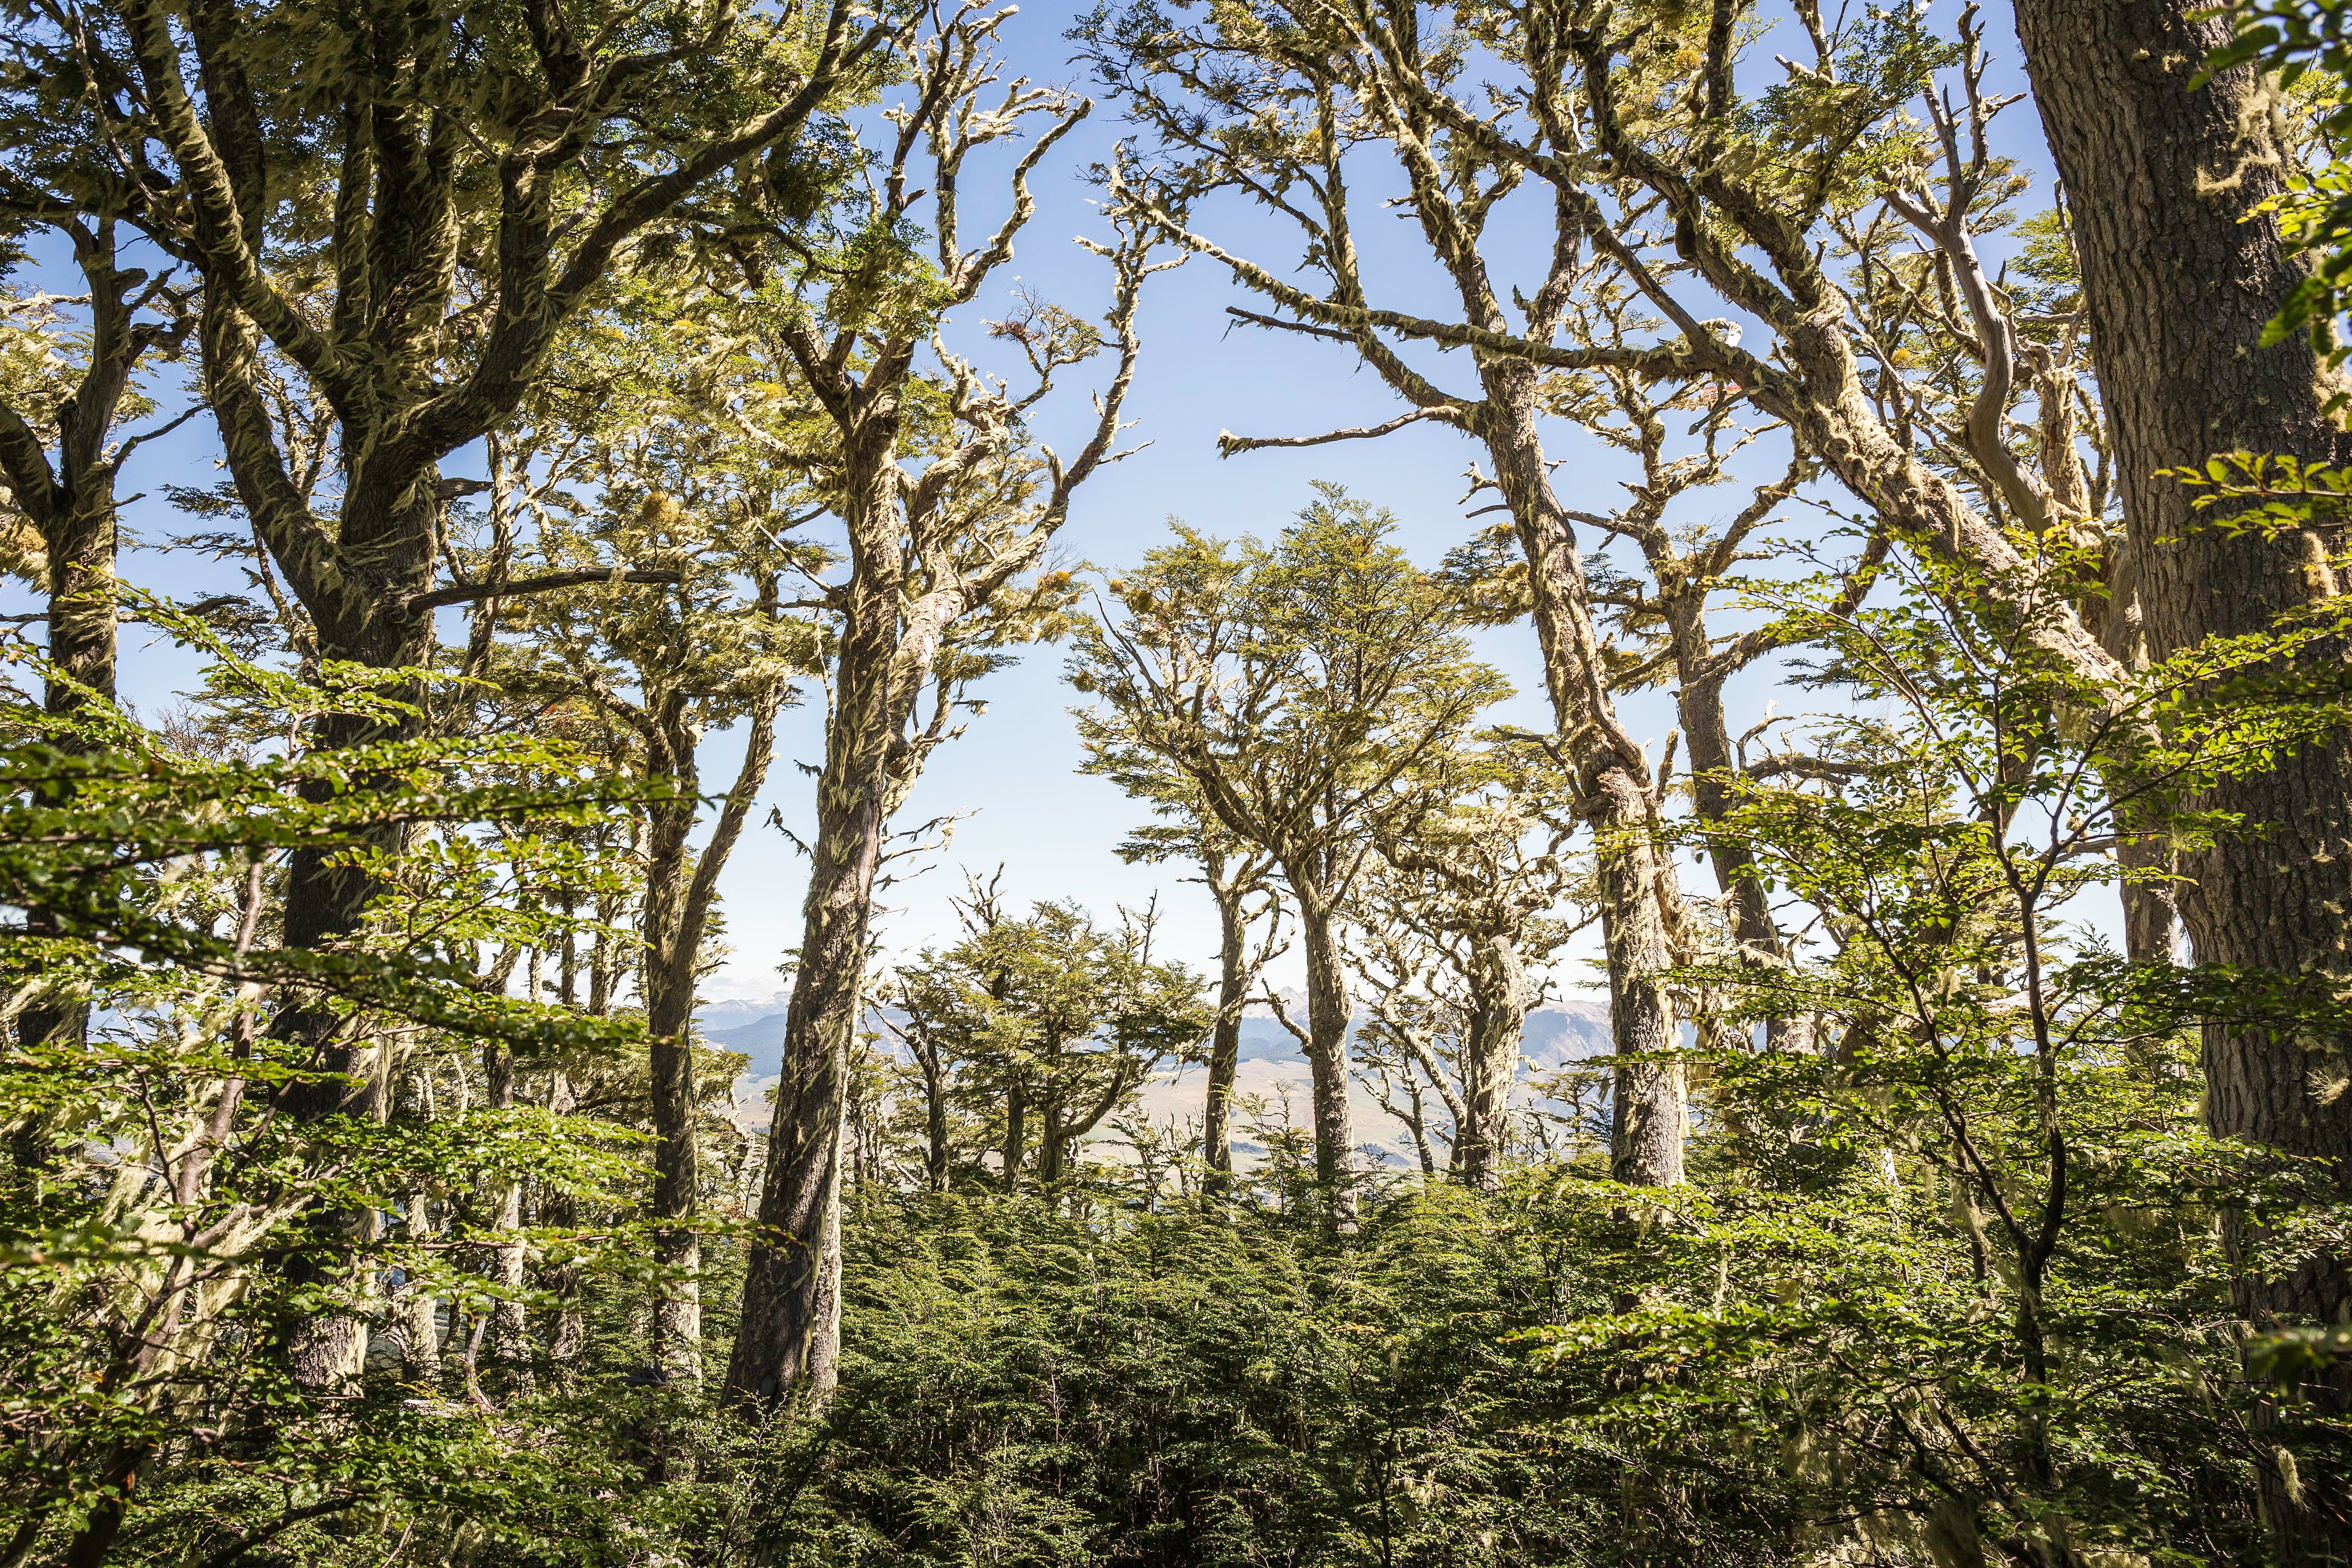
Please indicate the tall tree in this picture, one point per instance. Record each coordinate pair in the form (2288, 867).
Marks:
(664, 671)
(415, 161)
(2170, 180)
(1271, 104)
(1301, 686)
(1239, 877)
(948, 510)
(1452, 925)
(73, 367)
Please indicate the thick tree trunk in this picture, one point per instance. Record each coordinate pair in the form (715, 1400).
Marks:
(419, 1311)
(669, 1033)
(1224, 1038)
(1490, 1062)
(1648, 1113)
(1328, 1016)
(326, 905)
(790, 1334)
(1017, 1138)
(1648, 1116)
(2181, 271)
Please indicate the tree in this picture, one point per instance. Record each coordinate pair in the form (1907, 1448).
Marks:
(1270, 104)
(663, 671)
(1238, 876)
(948, 511)
(1048, 1025)
(143, 1296)
(1450, 923)
(1301, 686)
(66, 393)
(2173, 174)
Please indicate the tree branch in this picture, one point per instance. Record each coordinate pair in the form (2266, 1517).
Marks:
(467, 593)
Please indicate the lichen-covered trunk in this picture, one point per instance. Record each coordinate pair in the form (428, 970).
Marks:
(1648, 1113)
(2181, 272)
(509, 1341)
(1328, 1015)
(669, 1034)
(789, 1337)
(1634, 880)
(1225, 1043)
(1490, 1063)
(79, 541)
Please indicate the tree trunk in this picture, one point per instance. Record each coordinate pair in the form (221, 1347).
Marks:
(1017, 1138)
(1648, 1117)
(567, 1338)
(510, 1344)
(935, 1114)
(1648, 1110)
(1328, 1016)
(72, 504)
(1225, 1037)
(420, 1309)
(2181, 271)
(790, 1332)
(669, 1033)
(1490, 1062)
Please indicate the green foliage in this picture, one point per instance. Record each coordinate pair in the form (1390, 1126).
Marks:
(2303, 47)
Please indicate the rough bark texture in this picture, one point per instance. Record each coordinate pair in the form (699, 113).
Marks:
(1225, 1037)
(1634, 880)
(1490, 1061)
(789, 1336)
(2180, 275)
(1327, 1014)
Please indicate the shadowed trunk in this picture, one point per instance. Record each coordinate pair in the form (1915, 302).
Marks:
(1328, 1016)
(1233, 976)
(2181, 271)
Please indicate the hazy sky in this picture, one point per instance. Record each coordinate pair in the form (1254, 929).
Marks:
(1014, 771)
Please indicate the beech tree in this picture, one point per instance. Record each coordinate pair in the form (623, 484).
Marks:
(1048, 1025)
(1452, 926)
(662, 671)
(1302, 685)
(2173, 174)
(1238, 876)
(418, 163)
(947, 511)
(72, 379)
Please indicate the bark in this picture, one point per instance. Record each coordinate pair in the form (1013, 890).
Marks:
(1016, 1137)
(2181, 272)
(788, 1338)
(1634, 880)
(1328, 1016)
(1648, 1114)
(510, 1344)
(1490, 1061)
(568, 1336)
(419, 1309)
(1233, 978)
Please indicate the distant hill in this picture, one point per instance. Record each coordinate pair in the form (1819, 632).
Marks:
(1566, 1031)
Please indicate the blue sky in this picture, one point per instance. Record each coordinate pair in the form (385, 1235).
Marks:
(1014, 773)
